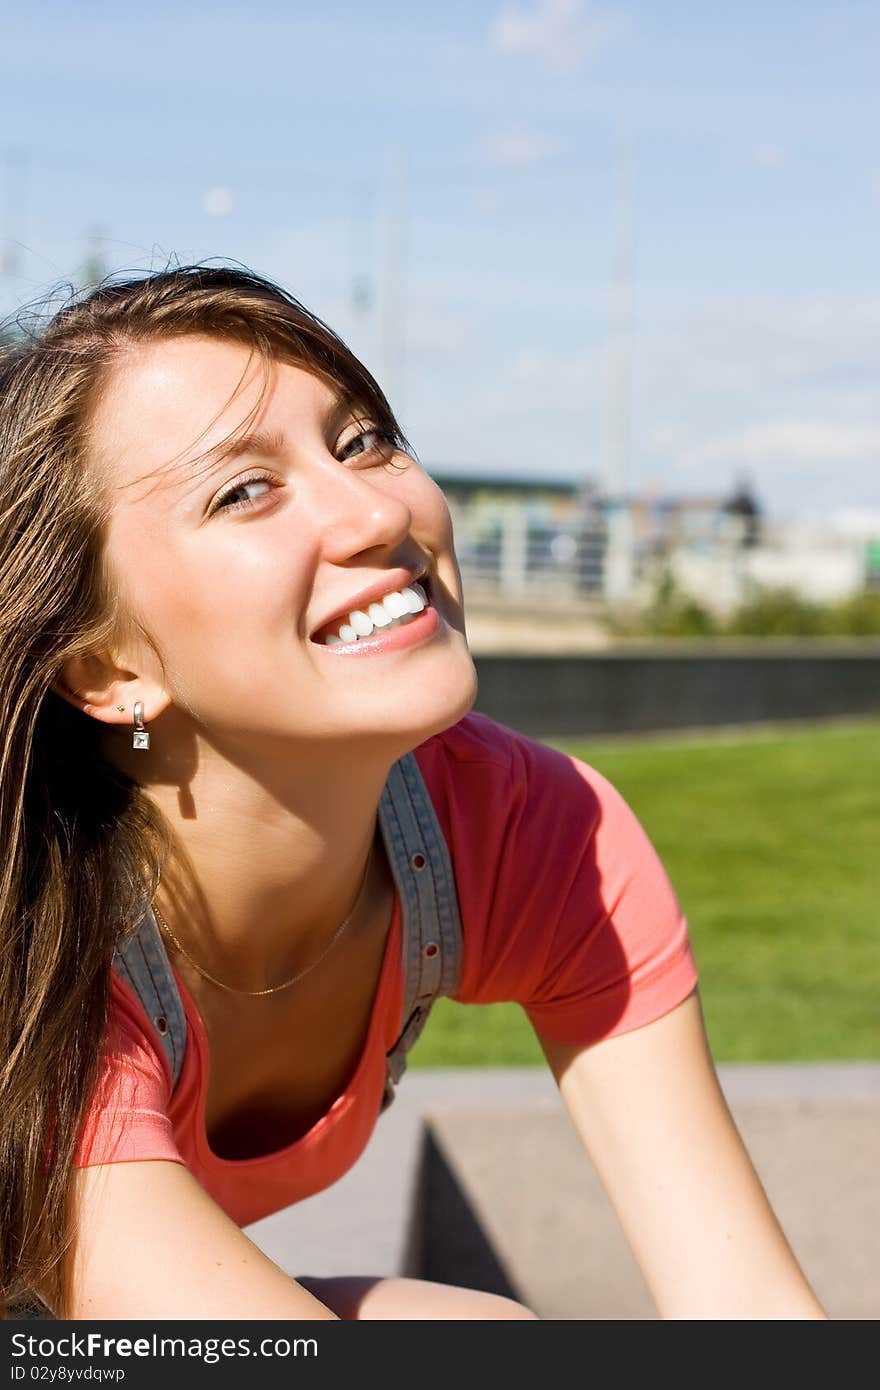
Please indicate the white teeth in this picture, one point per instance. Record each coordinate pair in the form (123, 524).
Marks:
(394, 609)
(396, 605)
(362, 624)
(416, 604)
(379, 614)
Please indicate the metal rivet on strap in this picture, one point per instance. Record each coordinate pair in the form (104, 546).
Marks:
(418, 861)
(430, 950)
(162, 1023)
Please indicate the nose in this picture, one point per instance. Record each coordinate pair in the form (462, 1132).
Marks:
(357, 509)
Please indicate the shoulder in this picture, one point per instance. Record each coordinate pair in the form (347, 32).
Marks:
(477, 741)
(127, 1116)
(475, 738)
(493, 778)
(520, 821)
(565, 905)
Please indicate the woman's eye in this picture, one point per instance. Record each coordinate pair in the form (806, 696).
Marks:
(368, 440)
(224, 503)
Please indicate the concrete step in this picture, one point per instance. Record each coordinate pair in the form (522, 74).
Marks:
(478, 1178)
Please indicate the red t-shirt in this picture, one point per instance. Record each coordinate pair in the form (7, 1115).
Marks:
(565, 909)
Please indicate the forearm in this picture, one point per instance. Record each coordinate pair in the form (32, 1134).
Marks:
(658, 1129)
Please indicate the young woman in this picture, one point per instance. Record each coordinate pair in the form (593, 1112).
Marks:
(204, 500)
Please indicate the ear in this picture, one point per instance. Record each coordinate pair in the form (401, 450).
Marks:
(99, 688)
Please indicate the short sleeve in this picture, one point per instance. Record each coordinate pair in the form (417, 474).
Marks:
(128, 1117)
(581, 925)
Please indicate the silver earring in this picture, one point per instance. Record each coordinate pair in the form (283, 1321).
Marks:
(140, 737)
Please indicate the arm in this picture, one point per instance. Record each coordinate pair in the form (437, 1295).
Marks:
(152, 1244)
(649, 1110)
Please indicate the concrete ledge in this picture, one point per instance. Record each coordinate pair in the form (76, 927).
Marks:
(364, 1223)
(477, 1178)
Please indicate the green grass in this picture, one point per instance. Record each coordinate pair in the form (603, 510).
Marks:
(772, 842)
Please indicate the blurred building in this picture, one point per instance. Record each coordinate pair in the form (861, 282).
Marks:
(521, 538)
(530, 537)
(525, 537)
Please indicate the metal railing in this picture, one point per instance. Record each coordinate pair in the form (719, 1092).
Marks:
(513, 558)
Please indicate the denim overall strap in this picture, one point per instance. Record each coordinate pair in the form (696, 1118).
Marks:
(431, 925)
(142, 961)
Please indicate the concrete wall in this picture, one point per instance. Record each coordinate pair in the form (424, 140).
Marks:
(679, 687)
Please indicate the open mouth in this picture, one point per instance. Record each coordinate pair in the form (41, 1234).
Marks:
(396, 609)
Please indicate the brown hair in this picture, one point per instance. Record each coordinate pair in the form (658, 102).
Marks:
(82, 846)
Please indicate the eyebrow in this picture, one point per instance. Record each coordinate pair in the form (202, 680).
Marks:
(269, 443)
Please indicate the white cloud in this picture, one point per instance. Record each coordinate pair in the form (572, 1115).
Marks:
(217, 202)
(737, 344)
(430, 335)
(519, 148)
(795, 442)
(780, 388)
(562, 33)
(535, 381)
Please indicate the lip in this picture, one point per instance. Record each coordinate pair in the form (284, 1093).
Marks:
(419, 629)
(390, 581)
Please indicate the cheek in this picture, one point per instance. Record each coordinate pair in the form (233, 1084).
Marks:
(251, 585)
(194, 599)
(436, 516)
(442, 540)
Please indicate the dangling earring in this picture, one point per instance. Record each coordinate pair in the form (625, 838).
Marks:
(140, 737)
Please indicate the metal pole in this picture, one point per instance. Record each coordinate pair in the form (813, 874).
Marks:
(621, 317)
(619, 558)
(392, 323)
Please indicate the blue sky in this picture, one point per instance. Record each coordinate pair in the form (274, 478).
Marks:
(491, 172)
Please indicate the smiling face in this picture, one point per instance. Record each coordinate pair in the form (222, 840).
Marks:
(232, 567)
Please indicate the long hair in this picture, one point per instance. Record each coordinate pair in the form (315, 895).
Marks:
(83, 847)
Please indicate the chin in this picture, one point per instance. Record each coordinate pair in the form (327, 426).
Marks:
(443, 705)
(457, 700)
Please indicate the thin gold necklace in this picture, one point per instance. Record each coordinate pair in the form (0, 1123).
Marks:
(275, 988)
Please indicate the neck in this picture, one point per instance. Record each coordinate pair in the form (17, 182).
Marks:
(266, 867)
